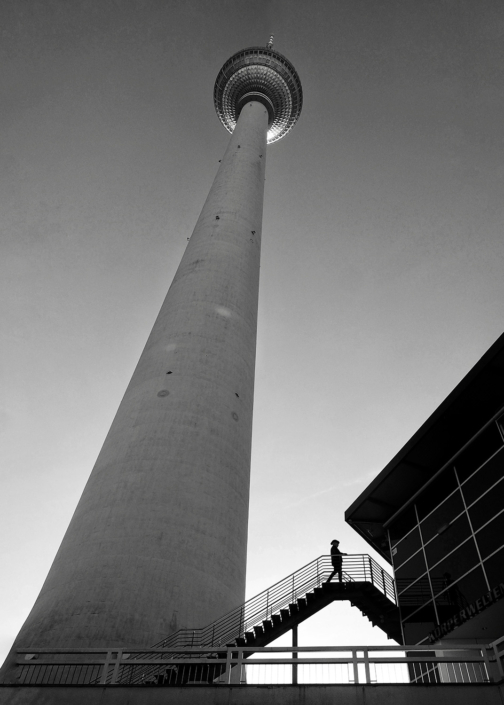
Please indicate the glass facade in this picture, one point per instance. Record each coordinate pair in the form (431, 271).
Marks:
(448, 545)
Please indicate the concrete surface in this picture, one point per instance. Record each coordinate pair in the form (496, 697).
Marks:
(256, 695)
(158, 540)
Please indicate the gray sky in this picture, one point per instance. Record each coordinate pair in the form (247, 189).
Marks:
(381, 279)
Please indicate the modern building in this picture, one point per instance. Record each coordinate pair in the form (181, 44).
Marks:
(158, 540)
(436, 512)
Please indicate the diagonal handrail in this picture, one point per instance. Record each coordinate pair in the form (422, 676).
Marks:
(234, 624)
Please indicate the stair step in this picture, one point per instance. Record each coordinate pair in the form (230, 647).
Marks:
(368, 597)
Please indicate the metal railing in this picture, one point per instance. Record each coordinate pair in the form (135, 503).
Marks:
(268, 665)
(356, 568)
(498, 653)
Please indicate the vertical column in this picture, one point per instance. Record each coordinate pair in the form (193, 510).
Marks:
(158, 539)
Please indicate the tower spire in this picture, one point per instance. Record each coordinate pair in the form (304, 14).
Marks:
(269, 45)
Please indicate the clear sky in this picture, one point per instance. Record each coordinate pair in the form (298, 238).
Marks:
(382, 269)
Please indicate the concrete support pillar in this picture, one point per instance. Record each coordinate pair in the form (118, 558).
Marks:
(158, 539)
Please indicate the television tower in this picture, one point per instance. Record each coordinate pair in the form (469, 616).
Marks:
(158, 540)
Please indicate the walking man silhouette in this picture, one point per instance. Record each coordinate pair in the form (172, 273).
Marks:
(337, 561)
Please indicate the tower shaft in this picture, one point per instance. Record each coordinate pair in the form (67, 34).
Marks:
(158, 539)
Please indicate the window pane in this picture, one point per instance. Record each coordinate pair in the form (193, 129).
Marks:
(404, 523)
(472, 586)
(487, 507)
(459, 594)
(494, 568)
(415, 596)
(436, 492)
(491, 537)
(415, 632)
(486, 476)
(454, 565)
(441, 516)
(410, 571)
(448, 540)
(407, 547)
(480, 449)
(424, 614)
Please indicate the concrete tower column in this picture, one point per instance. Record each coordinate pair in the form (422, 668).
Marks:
(158, 540)
(169, 491)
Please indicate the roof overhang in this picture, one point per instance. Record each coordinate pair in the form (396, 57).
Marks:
(473, 402)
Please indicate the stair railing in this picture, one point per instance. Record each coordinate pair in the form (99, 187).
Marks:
(356, 568)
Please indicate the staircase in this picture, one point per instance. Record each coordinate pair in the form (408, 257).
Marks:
(273, 612)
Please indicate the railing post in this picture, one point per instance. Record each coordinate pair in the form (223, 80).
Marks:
(383, 581)
(105, 668)
(371, 569)
(235, 670)
(227, 679)
(267, 604)
(293, 591)
(496, 660)
(115, 672)
(486, 660)
(355, 669)
(366, 666)
(239, 667)
(294, 655)
(318, 577)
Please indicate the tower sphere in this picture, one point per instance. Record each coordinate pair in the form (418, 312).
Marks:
(265, 76)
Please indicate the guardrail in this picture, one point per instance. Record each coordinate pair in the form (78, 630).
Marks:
(268, 665)
(498, 652)
(356, 568)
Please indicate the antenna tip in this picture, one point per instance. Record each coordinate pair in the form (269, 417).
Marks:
(269, 45)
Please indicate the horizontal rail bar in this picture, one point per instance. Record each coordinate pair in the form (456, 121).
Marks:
(128, 657)
(212, 661)
(213, 666)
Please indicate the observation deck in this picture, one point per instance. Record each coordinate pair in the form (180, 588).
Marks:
(263, 75)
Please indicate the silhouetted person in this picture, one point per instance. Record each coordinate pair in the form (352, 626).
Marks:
(337, 561)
